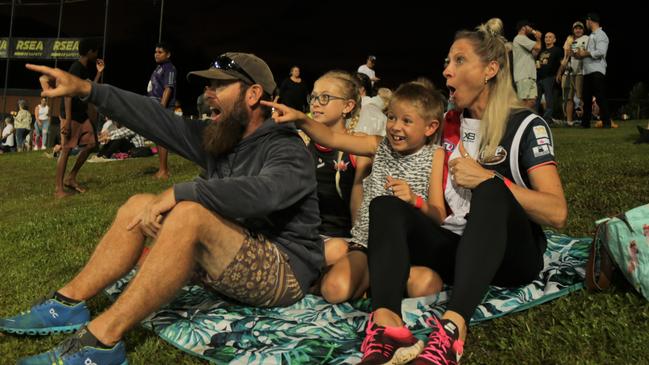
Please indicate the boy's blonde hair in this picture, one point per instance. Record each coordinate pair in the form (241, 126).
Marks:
(428, 101)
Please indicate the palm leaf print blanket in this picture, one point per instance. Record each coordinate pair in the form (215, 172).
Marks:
(313, 331)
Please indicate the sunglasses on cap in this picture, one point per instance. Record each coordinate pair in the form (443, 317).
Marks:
(226, 63)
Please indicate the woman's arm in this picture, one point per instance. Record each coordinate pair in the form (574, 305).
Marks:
(544, 203)
(435, 207)
(355, 144)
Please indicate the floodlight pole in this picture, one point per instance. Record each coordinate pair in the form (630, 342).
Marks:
(103, 51)
(162, 8)
(11, 28)
(58, 29)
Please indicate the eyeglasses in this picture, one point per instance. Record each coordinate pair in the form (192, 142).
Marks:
(226, 63)
(323, 99)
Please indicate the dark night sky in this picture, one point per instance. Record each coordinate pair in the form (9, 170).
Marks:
(407, 40)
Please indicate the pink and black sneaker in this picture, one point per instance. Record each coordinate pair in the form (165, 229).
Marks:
(444, 346)
(388, 345)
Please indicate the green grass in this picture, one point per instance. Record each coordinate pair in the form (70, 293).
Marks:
(44, 242)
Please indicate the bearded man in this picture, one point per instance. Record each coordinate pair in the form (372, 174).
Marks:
(249, 229)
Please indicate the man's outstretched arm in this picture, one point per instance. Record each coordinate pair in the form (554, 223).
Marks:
(56, 82)
(139, 113)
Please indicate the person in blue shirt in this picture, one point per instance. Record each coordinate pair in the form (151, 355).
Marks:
(594, 57)
(162, 88)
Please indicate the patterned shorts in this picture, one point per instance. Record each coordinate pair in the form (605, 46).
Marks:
(572, 85)
(353, 246)
(259, 275)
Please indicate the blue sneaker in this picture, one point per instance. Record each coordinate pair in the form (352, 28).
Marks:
(46, 317)
(73, 352)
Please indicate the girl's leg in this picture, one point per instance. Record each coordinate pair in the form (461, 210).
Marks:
(423, 281)
(335, 249)
(348, 278)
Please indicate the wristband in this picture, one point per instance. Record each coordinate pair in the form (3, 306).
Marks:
(419, 202)
(508, 183)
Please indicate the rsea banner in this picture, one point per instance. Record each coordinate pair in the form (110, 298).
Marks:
(40, 48)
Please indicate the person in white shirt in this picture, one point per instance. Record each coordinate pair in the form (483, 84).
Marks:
(371, 119)
(368, 69)
(42, 124)
(571, 71)
(8, 140)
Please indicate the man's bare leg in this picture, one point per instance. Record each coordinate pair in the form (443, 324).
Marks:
(71, 180)
(190, 234)
(114, 256)
(163, 170)
(570, 108)
(61, 165)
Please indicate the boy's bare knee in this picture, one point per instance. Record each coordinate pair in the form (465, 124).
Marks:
(424, 283)
(335, 289)
(335, 249)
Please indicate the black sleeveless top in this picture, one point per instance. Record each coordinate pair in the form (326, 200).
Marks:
(334, 197)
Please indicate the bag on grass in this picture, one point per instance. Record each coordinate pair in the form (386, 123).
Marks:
(621, 242)
(644, 135)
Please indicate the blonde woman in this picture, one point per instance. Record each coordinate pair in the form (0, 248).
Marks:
(500, 183)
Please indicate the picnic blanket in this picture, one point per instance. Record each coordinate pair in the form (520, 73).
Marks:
(315, 332)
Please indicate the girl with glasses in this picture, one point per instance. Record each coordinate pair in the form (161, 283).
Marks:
(335, 102)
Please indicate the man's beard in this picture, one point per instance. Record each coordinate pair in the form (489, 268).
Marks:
(220, 138)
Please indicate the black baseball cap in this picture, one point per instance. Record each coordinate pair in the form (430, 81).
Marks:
(523, 22)
(593, 17)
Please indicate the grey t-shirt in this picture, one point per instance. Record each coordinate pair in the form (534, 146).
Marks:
(524, 67)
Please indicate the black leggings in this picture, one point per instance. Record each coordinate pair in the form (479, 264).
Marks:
(499, 246)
